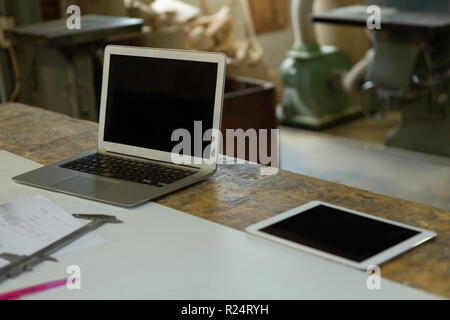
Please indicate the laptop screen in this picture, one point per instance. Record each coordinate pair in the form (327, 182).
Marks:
(149, 98)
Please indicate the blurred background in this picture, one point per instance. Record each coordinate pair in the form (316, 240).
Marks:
(366, 108)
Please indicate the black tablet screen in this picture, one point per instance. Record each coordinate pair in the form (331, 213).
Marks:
(340, 233)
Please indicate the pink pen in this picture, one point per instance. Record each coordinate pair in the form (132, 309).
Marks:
(13, 295)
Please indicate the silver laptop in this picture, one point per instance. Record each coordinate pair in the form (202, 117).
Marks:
(148, 95)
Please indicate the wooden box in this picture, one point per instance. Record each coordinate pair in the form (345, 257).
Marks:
(269, 15)
(248, 104)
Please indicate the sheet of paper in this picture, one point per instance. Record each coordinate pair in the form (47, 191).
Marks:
(28, 225)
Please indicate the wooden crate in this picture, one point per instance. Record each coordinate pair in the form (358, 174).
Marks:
(269, 15)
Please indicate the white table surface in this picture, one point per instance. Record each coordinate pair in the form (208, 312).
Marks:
(160, 253)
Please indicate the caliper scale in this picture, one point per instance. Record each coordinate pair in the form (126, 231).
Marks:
(20, 264)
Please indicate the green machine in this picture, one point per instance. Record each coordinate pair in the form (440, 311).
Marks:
(313, 95)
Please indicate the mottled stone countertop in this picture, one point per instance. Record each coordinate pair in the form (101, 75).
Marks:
(238, 196)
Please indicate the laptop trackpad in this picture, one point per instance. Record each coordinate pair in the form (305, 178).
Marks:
(84, 186)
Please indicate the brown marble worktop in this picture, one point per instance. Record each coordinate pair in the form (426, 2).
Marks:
(237, 196)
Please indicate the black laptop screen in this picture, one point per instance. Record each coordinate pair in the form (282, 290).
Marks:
(149, 98)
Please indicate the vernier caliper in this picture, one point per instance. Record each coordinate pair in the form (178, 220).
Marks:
(20, 264)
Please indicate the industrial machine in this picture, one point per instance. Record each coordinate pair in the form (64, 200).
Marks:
(313, 95)
(409, 70)
(61, 68)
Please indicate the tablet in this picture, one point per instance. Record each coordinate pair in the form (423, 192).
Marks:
(342, 235)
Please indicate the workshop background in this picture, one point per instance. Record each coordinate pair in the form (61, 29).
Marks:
(369, 109)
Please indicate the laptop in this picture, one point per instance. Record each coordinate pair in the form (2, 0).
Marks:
(147, 96)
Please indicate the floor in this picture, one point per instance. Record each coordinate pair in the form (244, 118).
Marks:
(354, 154)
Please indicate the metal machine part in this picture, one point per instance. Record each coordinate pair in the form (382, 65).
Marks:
(21, 264)
(409, 72)
(313, 95)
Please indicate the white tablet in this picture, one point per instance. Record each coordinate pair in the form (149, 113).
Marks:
(342, 235)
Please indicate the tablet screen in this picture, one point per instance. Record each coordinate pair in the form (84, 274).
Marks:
(340, 233)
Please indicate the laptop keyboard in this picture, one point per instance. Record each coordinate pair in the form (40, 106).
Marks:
(129, 170)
